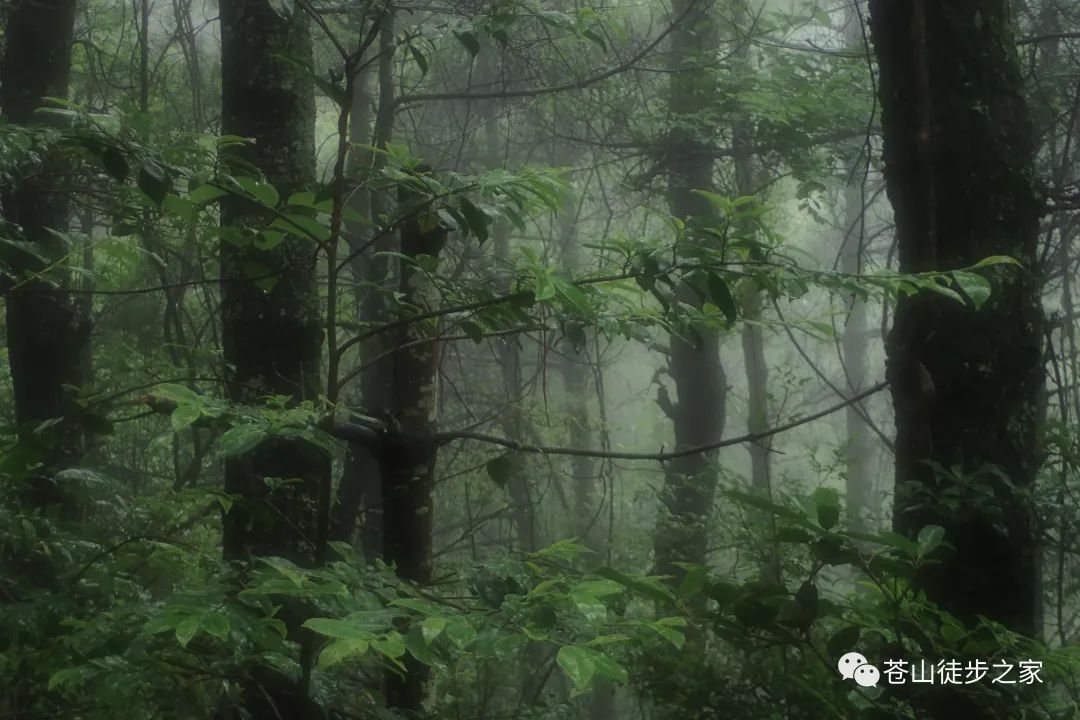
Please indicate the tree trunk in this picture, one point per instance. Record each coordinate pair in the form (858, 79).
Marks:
(272, 337)
(858, 453)
(512, 419)
(359, 495)
(753, 337)
(408, 458)
(47, 335)
(965, 382)
(694, 362)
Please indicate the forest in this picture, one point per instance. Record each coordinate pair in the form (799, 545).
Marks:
(539, 360)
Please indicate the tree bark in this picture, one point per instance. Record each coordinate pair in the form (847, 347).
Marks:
(408, 457)
(360, 493)
(48, 336)
(512, 419)
(694, 362)
(272, 337)
(965, 382)
(753, 337)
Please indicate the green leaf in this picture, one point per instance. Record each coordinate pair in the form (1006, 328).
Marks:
(421, 606)
(694, 580)
(302, 226)
(177, 393)
(807, 597)
(476, 218)
(184, 415)
(338, 650)
(996, 260)
(645, 586)
(468, 40)
(473, 331)
(215, 624)
(721, 296)
(929, 539)
(544, 289)
(287, 569)
(976, 287)
(115, 163)
(460, 634)
(793, 535)
(592, 36)
(68, 677)
(391, 646)
(579, 664)
(265, 193)
(432, 627)
(608, 640)
(565, 549)
(827, 504)
(153, 181)
(421, 61)
(239, 439)
(338, 629)
(302, 199)
(205, 194)
(262, 276)
(186, 629)
(672, 635)
(936, 287)
(269, 239)
(500, 469)
(608, 668)
(178, 207)
(828, 516)
(419, 647)
(592, 609)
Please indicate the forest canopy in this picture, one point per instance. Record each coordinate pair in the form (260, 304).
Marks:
(516, 359)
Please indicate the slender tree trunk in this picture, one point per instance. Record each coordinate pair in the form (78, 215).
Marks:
(509, 349)
(858, 453)
(272, 337)
(359, 495)
(408, 458)
(362, 482)
(965, 382)
(47, 335)
(753, 337)
(694, 361)
(587, 494)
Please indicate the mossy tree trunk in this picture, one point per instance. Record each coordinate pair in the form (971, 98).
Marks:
(965, 382)
(48, 334)
(272, 335)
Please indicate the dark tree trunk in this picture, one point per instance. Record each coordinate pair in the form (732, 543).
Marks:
(408, 457)
(694, 363)
(965, 382)
(272, 338)
(48, 334)
(360, 492)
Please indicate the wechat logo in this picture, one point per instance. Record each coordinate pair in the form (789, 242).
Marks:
(853, 666)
